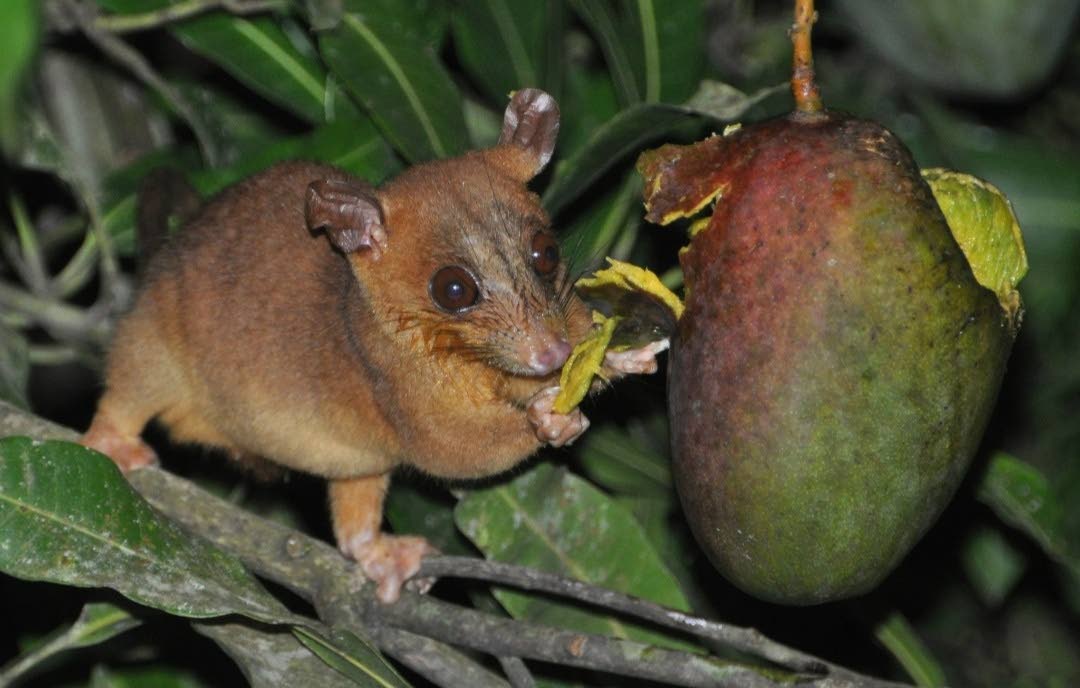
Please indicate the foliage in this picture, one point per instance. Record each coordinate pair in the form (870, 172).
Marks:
(117, 87)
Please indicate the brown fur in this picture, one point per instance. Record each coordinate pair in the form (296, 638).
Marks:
(252, 334)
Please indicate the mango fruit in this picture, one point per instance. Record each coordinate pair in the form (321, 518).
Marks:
(837, 361)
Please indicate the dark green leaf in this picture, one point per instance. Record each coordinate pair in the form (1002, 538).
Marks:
(14, 367)
(654, 50)
(557, 522)
(596, 228)
(613, 460)
(19, 36)
(271, 657)
(502, 44)
(353, 657)
(97, 623)
(428, 511)
(992, 565)
(381, 59)
(628, 132)
(258, 53)
(624, 55)
(354, 146)
(1022, 497)
(70, 517)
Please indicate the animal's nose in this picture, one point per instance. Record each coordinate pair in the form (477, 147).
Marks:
(550, 357)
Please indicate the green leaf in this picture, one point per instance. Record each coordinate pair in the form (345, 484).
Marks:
(97, 623)
(503, 44)
(381, 59)
(653, 49)
(14, 367)
(259, 54)
(426, 510)
(993, 566)
(140, 677)
(612, 459)
(19, 36)
(352, 656)
(70, 517)
(595, 229)
(1022, 497)
(899, 638)
(554, 521)
(271, 657)
(629, 131)
(995, 48)
(355, 146)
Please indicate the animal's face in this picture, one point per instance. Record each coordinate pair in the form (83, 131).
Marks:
(485, 277)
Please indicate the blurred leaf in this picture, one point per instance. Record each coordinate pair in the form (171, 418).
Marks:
(353, 657)
(412, 509)
(623, 135)
(272, 657)
(613, 460)
(596, 228)
(97, 623)
(14, 367)
(354, 146)
(1022, 497)
(985, 48)
(259, 54)
(557, 522)
(503, 44)
(93, 118)
(70, 517)
(380, 57)
(139, 677)
(899, 638)
(588, 102)
(992, 565)
(19, 36)
(653, 50)
(627, 133)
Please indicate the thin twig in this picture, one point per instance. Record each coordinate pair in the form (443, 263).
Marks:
(125, 23)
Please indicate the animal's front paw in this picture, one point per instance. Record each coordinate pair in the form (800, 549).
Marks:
(389, 561)
(556, 429)
(636, 361)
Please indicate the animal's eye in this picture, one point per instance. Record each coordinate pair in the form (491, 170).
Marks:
(544, 253)
(453, 289)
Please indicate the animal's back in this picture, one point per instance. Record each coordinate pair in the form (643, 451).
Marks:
(240, 318)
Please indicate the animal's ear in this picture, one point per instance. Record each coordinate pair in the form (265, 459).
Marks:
(350, 213)
(531, 124)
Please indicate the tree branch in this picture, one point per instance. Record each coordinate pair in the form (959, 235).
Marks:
(317, 572)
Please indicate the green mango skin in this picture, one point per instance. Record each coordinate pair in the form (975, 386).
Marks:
(836, 365)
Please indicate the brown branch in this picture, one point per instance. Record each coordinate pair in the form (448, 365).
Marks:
(803, 86)
(317, 572)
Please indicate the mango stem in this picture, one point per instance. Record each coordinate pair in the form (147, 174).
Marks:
(803, 86)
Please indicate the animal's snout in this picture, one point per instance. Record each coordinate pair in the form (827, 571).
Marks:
(550, 357)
